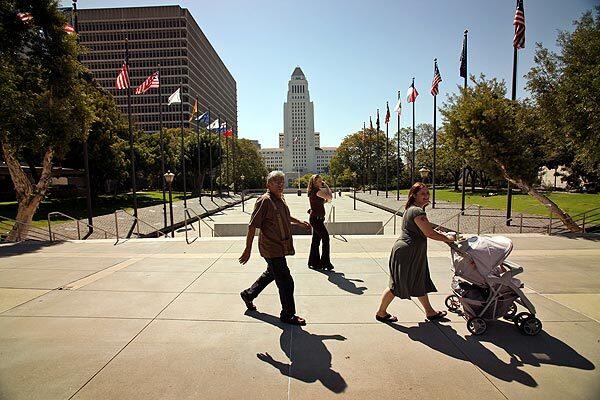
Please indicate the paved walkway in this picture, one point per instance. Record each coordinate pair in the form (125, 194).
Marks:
(160, 319)
(152, 219)
(484, 220)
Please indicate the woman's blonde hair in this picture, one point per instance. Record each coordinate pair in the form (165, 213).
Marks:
(412, 194)
(311, 184)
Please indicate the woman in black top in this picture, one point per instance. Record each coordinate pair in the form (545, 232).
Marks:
(318, 194)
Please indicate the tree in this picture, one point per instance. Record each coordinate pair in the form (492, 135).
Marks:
(566, 89)
(358, 149)
(44, 101)
(249, 162)
(503, 135)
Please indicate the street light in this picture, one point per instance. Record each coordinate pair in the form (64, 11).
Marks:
(169, 176)
(354, 187)
(424, 171)
(242, 178)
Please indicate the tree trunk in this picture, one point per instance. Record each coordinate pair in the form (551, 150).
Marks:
(29, 196)
(526, 188)
(473, 175)
(455, 177)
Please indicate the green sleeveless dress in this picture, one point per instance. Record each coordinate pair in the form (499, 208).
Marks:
(409, 270)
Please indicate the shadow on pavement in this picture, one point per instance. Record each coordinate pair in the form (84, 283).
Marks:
(523, 350)
(310, 362)
(340, 280)
(30, 246)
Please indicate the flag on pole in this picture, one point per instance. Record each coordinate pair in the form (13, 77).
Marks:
(296, 139)
(203, 118)
(69, 29)
(437, 78)
(222, 128)
(25, 17)
(215, 124)
(411, 94)
(194, 110)
(175, 98)
(151, 82)
(387, 114)
(519, 23)
(123, 77)
(228, 133)
(463, 58)
(398, 108)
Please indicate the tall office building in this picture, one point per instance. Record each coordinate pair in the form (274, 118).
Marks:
(299, 149)
(165, 35)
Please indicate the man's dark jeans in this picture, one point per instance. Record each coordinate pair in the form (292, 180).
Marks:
(278, 271)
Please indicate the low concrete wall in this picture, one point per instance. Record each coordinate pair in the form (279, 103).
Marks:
(334, 228)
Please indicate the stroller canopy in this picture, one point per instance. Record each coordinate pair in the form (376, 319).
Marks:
(488, 252)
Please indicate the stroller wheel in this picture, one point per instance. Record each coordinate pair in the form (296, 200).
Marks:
(476, 325)
(452, 302)
(520, 317)
(531, 326)
(512, 310)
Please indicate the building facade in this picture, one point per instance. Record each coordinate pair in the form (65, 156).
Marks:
(167, 36)
(299, 151)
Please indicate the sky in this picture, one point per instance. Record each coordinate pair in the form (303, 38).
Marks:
(357, 55)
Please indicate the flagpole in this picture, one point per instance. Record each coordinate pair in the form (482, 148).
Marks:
(220, 149)
(182, 146)
(365, 162)
(378, 155)
(86, 160)
(233, 146)
(513, 97)
(162, 148)
(369, 158)
(228, 162)
(464, 170)
(387, 150)
(210, 168)
(135, 214)
(412, 167)
(434, 137)
(398, 156)
(198, 149)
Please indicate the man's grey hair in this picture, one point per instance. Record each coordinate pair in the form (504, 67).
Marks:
(275, 175)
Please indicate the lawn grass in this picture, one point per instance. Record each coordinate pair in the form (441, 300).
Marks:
(76, 207)
(572, 203)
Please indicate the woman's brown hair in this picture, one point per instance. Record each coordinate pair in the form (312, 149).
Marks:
(412, 194)
(311, 184)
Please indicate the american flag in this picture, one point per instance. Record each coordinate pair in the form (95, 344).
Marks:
(519, 23)
(387, 114)
(437, 78)
(411, 94)
(69, 29)
(25, 17)
(123, 78)
(151, 82)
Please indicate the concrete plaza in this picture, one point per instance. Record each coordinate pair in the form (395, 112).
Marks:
(161, 319)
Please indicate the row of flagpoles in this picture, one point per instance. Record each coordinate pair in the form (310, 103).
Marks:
(218, 126)
(411, 97)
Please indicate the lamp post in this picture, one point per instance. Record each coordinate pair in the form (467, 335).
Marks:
(424, 171)
(169, 176)
(354, 187)
(242, 178)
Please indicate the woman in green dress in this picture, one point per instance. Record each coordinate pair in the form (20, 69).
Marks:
(409, 270)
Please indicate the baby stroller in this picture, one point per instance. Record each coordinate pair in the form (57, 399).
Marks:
(484, 284)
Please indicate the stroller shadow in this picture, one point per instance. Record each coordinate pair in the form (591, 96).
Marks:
(310, 362)
(541, 349)
(339, 279)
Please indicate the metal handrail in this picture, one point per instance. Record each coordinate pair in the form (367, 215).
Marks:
(137, 221)
(32, 230)
(185, 223)
(52, 235)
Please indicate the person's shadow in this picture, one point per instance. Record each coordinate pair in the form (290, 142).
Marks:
(340, 280)
(541, 349)
(310, 361)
